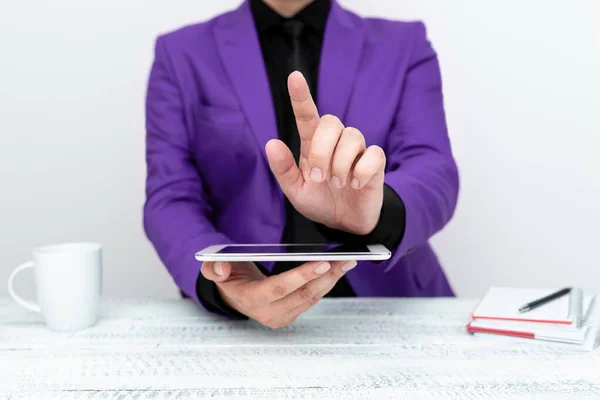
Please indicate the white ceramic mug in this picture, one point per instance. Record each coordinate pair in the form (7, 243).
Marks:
(68, 282)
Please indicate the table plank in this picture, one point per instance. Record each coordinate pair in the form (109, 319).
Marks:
(343, 348)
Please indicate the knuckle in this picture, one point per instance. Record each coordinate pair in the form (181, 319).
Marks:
(304, 115)
(278, 290)
(378, 151)
(314, 300)
(353, 134)
(305, 294)
(331, 120)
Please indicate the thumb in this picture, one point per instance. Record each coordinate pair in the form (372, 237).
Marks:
(216, 271)
(284, 167)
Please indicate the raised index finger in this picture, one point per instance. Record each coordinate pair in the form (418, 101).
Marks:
(305, 110)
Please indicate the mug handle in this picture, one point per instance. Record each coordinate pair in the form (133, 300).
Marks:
(27, 304)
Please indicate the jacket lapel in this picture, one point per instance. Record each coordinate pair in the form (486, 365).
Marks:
(340, 59)
(239, 48)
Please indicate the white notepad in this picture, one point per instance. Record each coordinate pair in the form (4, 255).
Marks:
(502, 304)
(589, 329)
(567, 333)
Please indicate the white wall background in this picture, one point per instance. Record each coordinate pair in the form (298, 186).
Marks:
(522, 85)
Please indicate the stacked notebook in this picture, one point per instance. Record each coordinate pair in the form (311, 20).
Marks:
(573, 319)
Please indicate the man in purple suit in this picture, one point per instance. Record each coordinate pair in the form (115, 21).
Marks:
(238, 152)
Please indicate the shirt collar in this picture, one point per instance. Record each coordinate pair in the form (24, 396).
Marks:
(314, 15)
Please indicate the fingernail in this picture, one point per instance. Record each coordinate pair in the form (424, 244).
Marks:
(335, 181)
(348, 266)
(355, 183)
(322, 268)
(316, 175)
(218, 268)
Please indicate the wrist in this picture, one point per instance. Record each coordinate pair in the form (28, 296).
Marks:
(361, 227)
(388, 228)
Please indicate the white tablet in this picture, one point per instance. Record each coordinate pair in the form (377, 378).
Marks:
(293, 252)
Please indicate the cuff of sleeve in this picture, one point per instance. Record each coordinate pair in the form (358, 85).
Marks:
(263, 269)
(389, 231)
(211, 299)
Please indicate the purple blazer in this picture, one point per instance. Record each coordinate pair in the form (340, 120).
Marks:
(209, 114)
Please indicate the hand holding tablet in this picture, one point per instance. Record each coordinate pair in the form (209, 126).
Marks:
(276, 300)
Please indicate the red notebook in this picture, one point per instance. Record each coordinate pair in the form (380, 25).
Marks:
(561, 333)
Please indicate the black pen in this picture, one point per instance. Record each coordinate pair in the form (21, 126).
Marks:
(544, 300)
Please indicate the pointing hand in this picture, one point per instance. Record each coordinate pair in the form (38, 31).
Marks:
(339, 180)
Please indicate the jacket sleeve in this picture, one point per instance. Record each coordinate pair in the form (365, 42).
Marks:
(420, 165)
(177, 213)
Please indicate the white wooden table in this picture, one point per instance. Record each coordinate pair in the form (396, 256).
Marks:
(342, 349)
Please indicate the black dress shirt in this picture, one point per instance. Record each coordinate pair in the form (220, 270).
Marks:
(276, 49)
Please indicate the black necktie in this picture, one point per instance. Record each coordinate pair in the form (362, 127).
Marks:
(296, 62)
(301, 230)
(297, 59)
